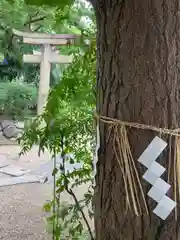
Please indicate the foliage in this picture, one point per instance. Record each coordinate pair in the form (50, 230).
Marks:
(25, 17)
(69, 219)
(66, 127)
(17, 98)
(60, 4)
(70, 224)
(21, 16)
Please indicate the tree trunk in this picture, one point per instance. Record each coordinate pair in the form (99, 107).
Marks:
(138, 44)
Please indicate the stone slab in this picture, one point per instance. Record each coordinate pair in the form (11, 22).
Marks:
(4, 161)
(47, 168)
(14, 170)
(22, 180)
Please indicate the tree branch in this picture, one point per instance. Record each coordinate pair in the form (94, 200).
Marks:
(3, 28)
(71, 193)
(35, 15)
(36, 29)
(34, 20)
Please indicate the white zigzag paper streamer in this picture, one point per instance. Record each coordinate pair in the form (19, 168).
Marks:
(152, 175)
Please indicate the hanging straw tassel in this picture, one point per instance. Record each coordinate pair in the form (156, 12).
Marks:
(175, 174)
(122, 151)
(177, 190)
(169, 158)
(135, 172)
(129, 172)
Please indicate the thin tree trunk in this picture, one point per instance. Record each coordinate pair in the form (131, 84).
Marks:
(138, 81)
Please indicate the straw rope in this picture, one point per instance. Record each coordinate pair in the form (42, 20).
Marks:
(122, 151)
(113, 121)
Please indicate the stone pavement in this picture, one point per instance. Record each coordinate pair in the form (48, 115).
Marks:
(13, 171)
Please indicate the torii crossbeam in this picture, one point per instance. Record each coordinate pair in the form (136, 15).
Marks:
(45, 58)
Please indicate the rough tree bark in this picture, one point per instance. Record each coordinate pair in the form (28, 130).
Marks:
(138, 48)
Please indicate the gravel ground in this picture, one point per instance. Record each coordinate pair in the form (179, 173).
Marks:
(21, 215)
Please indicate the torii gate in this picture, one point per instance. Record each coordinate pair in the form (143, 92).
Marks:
(45, 58)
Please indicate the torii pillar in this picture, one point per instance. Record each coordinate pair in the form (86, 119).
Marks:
(45, 58)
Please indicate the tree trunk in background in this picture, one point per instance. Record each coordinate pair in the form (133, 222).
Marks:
(138, 81)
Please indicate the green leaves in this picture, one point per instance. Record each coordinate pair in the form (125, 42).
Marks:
(69, 223)
(55, 170)
(47, 206)
(60, 3)
(23, 17)
(17, 98)
(70, 105)
(66, 126)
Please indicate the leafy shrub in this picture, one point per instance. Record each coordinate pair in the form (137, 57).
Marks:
(17, 98)
(66, 127)
(69, 222)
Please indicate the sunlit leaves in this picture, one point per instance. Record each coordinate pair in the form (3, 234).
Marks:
(68, 116)
(59, 3)
(23, 17)
(16, 98)
(66, 127)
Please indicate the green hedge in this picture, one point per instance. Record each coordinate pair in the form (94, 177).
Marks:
(17, 98)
